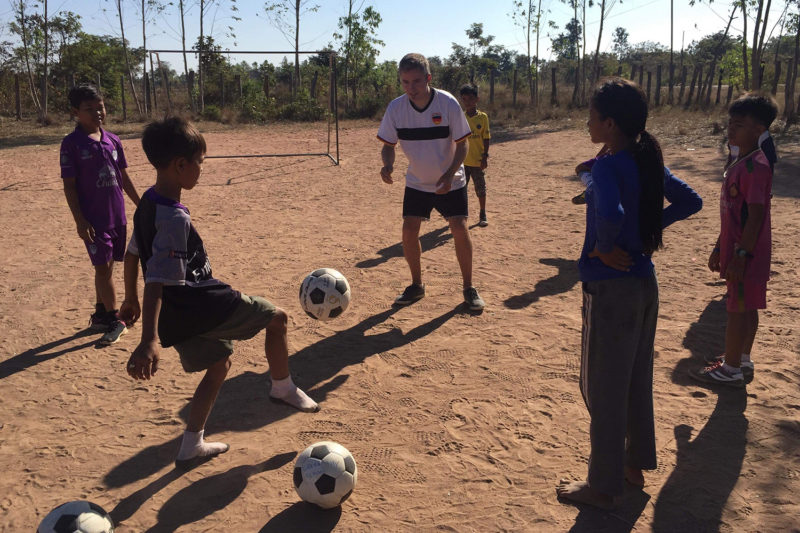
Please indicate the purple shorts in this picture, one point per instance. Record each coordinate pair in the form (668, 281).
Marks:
(108, 244)
(746, 296)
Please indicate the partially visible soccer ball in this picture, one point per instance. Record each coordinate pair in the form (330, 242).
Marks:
(77, 517)
(324, 294)
(325, 474)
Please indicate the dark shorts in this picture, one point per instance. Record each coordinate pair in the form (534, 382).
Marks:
(202, 351)
(478, 179)
(108, 244)
(418, 203)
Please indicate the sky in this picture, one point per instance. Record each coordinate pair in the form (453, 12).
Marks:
(425, 26)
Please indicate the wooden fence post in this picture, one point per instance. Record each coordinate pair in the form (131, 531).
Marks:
(633, 71)
(777, 77)
(658, 85)
(697, 73)
(553, 90)
(124, 107)
(649, 85)
(221, 91)
(719, 87)
(313, 84)
(147, 98)
(514, 89)
(17, 99)
(641, 75)
(619, 70)
(684, 71)
(671, 88)
(730, 94)
(491, 86)
(190, 81)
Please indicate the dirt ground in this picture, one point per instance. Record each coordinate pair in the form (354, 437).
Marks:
(457, 422)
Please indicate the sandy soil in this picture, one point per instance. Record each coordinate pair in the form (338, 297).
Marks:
(457, 422)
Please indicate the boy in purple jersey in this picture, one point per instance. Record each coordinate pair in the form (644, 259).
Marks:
(93, 170)
(183, 305)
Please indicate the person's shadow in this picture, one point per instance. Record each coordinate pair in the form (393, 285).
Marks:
(708, 466)
(243, 403)
(34, 356)
(621, 520)
(562, 281)
(429, 241)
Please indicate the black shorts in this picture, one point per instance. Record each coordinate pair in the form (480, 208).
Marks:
(418, 203)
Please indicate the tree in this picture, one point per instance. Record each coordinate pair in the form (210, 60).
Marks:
(118, 4)
(620, 44)
(183, 49)
(596, 70)
(278, 13)
(525, 18)
(358, 45)
(20, 27)
(565, 45)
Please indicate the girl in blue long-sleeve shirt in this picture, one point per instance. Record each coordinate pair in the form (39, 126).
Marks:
(625, 215)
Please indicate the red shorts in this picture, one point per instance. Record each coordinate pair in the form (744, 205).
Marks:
(747, 295)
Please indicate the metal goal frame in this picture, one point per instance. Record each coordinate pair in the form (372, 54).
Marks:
(333, 104)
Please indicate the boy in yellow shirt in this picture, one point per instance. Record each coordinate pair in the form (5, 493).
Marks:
(476, 161)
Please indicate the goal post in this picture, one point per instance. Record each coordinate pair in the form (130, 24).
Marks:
(332, 114)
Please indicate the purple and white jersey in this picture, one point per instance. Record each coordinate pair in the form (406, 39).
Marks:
(96, 167)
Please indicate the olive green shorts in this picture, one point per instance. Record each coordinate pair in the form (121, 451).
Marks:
(202, 351)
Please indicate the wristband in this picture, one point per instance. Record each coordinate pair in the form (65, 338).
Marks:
(741, 252)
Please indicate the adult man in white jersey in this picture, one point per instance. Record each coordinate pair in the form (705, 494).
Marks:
(432, 130)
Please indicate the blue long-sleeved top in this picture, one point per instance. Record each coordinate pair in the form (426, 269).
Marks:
(612, 214)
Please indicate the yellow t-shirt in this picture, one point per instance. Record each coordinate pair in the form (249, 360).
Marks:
(479, 124)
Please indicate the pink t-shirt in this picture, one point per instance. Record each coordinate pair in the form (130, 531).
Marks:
(747, 181)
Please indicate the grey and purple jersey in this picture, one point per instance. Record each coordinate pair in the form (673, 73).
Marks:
(97, 169)
(171, 252)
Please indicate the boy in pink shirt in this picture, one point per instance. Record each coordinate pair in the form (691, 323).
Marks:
(93, 170)
(742, 252)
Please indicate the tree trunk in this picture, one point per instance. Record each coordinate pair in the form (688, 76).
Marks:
(596, 71)
(200, 76)
(744, 46)
(296, 85)
(671, 52)
(43, 116)
(127, 58)
(789, 110)
(756, 55)
(26, 53)
(185, 64)
(144, 46)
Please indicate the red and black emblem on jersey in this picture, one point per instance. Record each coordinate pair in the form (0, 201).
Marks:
(733, 191)
(437, 118)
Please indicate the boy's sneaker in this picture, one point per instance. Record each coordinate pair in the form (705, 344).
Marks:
(747, 367)
(100, 321)
(719, 374)
(116, 330)
(482, 222)
(412, 293)
(579, 199)
(473, 301)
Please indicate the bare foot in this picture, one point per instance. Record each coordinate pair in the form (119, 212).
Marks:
(634, 476)
(581, 492)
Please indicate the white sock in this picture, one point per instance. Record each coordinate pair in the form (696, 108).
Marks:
(193, 445)
(745, 357)
(285, 390)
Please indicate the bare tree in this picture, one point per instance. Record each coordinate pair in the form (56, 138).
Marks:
(22, 22)
(118, 4)
(523, 16)
(279, 13)
(183, 49)
(596, 69)
(43, 115)
(758, 41)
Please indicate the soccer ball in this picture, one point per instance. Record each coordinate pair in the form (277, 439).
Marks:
(324, 294)
(77, 517)
(325, 474)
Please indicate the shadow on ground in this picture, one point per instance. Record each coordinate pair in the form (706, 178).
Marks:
(243, 402)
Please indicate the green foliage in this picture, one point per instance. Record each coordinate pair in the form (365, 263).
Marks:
(565, 45)
(732, 69)
(302, 108)
(212, 112)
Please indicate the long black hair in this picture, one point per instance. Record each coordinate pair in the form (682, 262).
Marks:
(625, 103)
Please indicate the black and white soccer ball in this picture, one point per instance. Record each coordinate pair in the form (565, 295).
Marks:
(77, 517)
(325, 474)
(324, 294)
